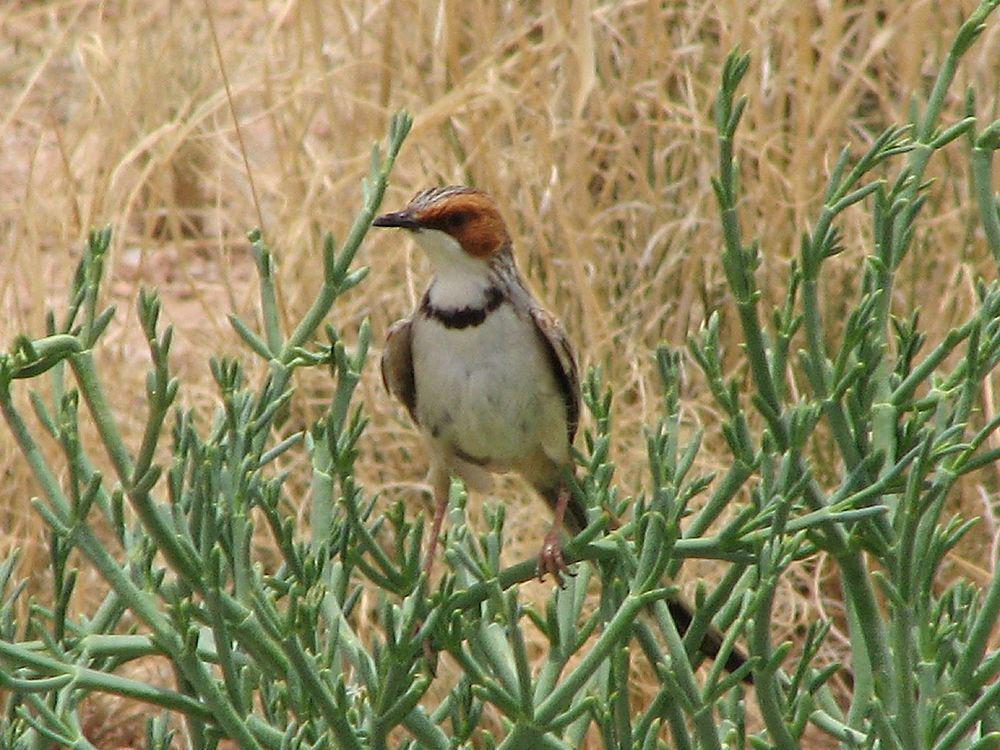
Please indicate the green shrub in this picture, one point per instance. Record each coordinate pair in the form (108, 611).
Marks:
(268, 651)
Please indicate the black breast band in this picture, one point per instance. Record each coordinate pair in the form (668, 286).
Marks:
(462, 317)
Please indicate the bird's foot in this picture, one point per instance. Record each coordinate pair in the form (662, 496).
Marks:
(430, 651)
(550, 560)
(431, 655)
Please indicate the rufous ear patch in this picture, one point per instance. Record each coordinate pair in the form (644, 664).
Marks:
(472, 219)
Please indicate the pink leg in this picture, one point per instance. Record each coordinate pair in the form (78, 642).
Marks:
(441, 482)
(550, 559)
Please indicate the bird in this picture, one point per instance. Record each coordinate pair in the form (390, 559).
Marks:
(487, 374)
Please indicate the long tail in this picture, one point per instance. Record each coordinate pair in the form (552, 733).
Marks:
(575, 521)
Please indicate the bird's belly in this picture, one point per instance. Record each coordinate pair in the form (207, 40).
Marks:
(486, 391)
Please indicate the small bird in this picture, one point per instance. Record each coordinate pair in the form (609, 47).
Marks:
(487, 374)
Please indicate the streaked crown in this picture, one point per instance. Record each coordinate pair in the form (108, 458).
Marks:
(468, 215)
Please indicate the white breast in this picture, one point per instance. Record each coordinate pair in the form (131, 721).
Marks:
(488, 391)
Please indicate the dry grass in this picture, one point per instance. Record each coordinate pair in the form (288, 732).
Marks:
(589, 121)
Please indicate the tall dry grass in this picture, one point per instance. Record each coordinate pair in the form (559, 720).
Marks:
(589, 121)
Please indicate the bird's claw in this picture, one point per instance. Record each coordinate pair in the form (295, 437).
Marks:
(550, 560)
(431, 655)
(430, 652)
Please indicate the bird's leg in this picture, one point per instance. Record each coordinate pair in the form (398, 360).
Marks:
(441, 482)
(550, 559)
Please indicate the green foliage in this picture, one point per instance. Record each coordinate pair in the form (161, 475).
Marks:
(267, 650)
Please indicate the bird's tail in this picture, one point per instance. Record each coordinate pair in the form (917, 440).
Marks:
(575, 521)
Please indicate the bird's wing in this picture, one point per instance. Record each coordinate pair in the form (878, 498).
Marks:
(563, 364)
(397, 365)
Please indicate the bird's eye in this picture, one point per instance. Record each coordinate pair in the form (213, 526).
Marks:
(457, 219)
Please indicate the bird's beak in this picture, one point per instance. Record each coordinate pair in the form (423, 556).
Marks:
(401, 219)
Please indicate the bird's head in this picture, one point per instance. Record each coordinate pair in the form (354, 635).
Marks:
(456, 226)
